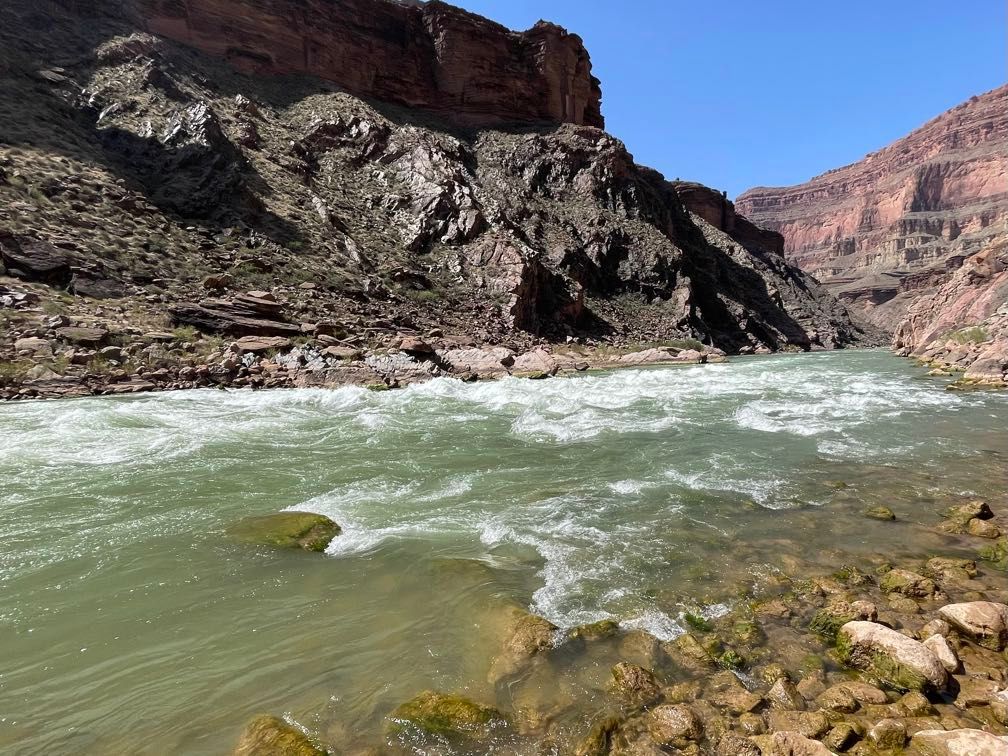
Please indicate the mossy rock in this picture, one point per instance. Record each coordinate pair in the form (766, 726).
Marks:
(598, 742)
(731, 659)
(826, 623)
(447, 715)
(698, 622)
(996, 554)
(880, 513)
(267, 735)
(290, 530)
(594, 631)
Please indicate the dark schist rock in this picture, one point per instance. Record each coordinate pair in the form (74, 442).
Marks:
(225, 316)
(379, 212)
(34, 260)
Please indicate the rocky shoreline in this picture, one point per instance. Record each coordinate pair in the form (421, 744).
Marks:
(877, 657)
(52, 356)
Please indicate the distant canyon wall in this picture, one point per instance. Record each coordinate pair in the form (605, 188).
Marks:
(884, 231)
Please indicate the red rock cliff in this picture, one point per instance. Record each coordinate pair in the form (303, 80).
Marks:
(894, 226)
(421, 55)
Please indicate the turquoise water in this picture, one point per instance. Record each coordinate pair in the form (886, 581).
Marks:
(129, 622)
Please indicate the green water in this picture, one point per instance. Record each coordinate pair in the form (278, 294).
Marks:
(129, 622)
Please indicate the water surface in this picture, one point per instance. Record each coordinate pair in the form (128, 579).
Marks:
(129, 622)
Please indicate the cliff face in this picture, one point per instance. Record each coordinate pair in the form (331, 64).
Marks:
(883, 231)
(194, 195)
(963, 324)
(421, 55)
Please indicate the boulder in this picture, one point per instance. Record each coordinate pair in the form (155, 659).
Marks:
(88, 337)
(965, 742)
(891, 657)
(635, 683)
(34, 345)
(446, 715)
(982, 528)
(789, 744)
(300, 530)
(219, 319)
(784, 695)
(266, 735)
(260, 344)
(938, 646)
(488, 361)
(907, 583)
(34, 260)
(416, 347)
(811, 724)
(674, 724)
(528, 636)
(537, 363)
(985, 622)
(880, 513)
(888, 735)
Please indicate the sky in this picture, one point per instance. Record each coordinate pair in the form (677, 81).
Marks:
(742, 93)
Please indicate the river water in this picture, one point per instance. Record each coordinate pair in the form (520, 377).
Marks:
(130, 622)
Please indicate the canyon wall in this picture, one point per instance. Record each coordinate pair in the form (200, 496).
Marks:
(421, 55)
(896, 225)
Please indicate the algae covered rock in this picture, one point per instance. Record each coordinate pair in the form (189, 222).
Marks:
(293, 530)
(267, 735)
(635, 683)
(594, 631)
(447, 715)
(996, 554)
(880, 513)
(890, 657)
(674, 724)
(907, 583)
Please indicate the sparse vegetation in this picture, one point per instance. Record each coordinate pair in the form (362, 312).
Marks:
(970, 335)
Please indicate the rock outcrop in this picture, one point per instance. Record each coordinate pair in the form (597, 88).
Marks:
(963, 324)
(895, 226)
(204, 200)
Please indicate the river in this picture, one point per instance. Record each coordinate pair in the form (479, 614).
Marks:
(130, 622)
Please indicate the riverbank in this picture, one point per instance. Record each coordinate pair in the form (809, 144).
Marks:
(53, 357)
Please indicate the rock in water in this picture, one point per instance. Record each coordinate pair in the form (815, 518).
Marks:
(528, 636)
(270, 736)
(447, 715)
(985, 622)
(894, 659)
(963, 742)
(297, 530)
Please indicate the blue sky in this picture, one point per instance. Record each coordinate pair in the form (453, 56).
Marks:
(739, 93)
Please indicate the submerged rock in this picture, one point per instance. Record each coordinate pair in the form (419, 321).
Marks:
(267, 735)
(891, 657)
(635, 683)
(295, 530)
(965, 742)
(447, 715)
(907, 583)
(789, 744)
(984, 621)
(528, 636)
(880, 513)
